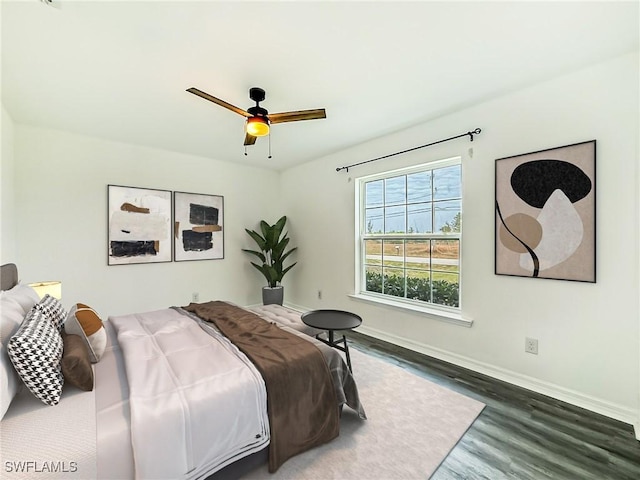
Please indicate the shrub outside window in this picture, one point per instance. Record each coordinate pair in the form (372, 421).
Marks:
(409, 234)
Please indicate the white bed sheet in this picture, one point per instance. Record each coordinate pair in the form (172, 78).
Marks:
(49, 442)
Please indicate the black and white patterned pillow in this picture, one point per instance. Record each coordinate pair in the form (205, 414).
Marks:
(35, 351)
(53, 309)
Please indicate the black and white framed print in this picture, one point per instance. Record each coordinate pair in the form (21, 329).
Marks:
(139, 224)
(198, 226)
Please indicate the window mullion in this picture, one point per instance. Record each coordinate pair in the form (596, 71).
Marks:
(412, 236)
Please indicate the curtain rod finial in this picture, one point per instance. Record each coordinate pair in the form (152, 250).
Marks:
(474, 132)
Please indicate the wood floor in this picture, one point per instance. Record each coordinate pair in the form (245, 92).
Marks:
(520, 434)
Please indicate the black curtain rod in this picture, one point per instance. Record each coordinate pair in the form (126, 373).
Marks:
(471, 134)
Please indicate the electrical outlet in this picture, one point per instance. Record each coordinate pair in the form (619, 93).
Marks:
(531, 345)
(195, 297)
(319, 294)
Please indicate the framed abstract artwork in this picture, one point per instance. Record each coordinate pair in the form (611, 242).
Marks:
(545, 204)
(198, 226)
(139, 224)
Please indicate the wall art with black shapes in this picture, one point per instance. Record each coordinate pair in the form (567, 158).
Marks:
(545, 214)
(198, 226)
(139, 223)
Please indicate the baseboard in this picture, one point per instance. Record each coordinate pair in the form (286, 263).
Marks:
(608, 409)
(297, 308)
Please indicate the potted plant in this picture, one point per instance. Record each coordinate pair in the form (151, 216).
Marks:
(272, 244)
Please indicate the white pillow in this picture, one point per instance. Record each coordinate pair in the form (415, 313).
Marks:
(12, 316)
(24, 295)
(10, 383)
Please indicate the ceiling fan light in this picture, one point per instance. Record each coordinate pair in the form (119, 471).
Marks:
(257, 126)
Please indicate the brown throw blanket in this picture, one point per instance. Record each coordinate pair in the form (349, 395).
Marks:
(301, 401)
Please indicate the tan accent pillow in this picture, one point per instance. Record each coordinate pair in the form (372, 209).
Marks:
(83, 321)
(89, 319)
(76, 366)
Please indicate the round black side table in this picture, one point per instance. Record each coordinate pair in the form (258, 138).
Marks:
(332, 320)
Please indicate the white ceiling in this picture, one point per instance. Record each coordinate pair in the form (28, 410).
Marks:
(119, 70)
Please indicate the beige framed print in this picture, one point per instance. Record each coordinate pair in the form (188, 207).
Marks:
(545, 220)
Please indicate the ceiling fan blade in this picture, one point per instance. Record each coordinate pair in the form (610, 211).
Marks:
(297, 115)
(249, 139)
(215, 100)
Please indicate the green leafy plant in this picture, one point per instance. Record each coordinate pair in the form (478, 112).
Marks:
(272, 245)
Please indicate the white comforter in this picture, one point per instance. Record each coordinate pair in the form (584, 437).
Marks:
(197, 403)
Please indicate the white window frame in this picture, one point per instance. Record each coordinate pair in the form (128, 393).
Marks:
(447, 313)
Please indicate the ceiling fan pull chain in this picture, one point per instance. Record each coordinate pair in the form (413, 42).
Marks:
(269, 145)
(245, 150)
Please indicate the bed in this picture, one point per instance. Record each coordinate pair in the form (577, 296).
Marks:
(174, 397)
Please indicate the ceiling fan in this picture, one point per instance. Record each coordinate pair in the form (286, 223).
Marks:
(258, 118)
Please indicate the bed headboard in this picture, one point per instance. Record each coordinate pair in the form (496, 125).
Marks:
(8, 276)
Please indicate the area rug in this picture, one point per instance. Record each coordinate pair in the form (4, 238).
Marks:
(412, 426)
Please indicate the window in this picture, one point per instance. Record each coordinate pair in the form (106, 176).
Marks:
(409, 233)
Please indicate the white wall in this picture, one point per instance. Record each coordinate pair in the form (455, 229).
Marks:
(588, 333)
(61, 216)
(7, 225)
(54, 226)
